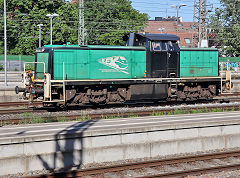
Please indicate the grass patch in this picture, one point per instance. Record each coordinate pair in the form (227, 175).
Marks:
(133, 115)
(63, 119)
(82, 118)
(118, 115)
(37, 120)
(193, 111)
(28, 114)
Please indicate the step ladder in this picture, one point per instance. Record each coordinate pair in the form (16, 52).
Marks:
(173, 87)
(226, 79)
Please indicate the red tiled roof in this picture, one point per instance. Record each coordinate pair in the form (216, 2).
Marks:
(74, 1)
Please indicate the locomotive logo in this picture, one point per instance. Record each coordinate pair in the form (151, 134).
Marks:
(119, 63)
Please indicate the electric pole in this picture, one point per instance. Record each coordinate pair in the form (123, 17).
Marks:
(200, 19)
(81, 27)
(5, 43)
(40, 25)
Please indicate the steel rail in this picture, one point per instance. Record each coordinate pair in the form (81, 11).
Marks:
(15, 111)
(18, 107)
(38, 103)
(20, 103)
(195, 172)
(231, 97)
(154, 163)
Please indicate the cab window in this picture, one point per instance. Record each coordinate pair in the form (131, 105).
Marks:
(156, 46)
(164, 46)
(175, 46)
(170, 46)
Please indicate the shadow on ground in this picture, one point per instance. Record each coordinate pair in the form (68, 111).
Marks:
(69, 149)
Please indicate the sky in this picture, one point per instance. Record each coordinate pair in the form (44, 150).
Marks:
(161, 8)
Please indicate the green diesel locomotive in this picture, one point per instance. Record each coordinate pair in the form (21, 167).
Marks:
(151, 67)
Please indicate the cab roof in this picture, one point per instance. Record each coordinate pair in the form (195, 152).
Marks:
(159, 37)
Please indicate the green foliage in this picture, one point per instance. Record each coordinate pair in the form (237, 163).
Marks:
(106, 21)
(29, 67)
(225, 23)
(1, 67)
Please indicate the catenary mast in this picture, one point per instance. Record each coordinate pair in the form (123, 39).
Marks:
(200, 19)
(81, 28)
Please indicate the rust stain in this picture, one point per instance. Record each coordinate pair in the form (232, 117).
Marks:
(192, 71)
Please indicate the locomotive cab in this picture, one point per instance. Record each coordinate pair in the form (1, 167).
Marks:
(162, 53)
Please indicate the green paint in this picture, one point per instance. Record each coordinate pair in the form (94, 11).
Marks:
(41, 57)
(99, 62)
(199, 62)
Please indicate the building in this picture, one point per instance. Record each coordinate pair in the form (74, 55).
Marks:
(74, 1)
(186, 31)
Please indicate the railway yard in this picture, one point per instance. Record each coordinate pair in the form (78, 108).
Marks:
(196, 134)
(132, 140)
(120, 89)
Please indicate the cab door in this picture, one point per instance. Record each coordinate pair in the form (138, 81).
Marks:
(39, 66)
(173, 59)
(159, 59)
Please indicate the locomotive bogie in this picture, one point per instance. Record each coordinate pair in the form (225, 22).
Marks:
(118, 91)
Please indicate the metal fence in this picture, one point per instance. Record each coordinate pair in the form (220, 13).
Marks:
(15, 62)
(232, 66)
(13, 65)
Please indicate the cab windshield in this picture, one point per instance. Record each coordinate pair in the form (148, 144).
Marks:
(164, 46)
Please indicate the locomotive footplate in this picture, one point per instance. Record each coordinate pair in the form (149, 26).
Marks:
(139, 81)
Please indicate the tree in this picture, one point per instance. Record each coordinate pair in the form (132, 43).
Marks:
(225, 23)
(22, 19)
(106, 21)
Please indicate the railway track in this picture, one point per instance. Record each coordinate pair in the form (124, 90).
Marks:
(19, 104)
(110, 113)
(231, 97)
(15, 110)
(158, 164)
(18, 107)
